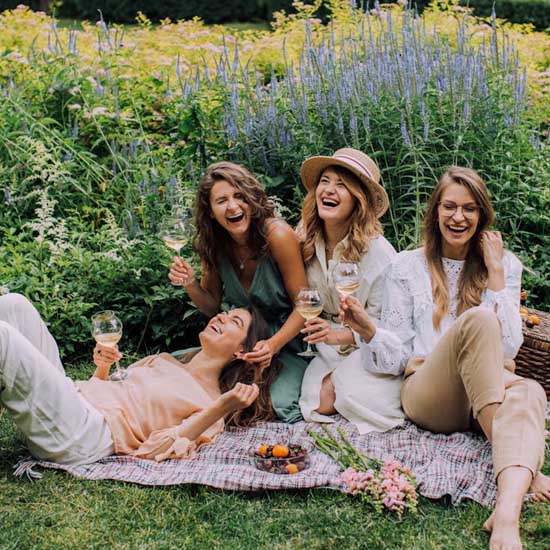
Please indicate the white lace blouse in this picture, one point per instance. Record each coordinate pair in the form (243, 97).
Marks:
(406, 329)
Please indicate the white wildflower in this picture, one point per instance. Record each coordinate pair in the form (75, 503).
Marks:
(102, 111)
(112, 255)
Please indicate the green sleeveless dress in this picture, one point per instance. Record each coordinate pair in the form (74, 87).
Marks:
(268, 293)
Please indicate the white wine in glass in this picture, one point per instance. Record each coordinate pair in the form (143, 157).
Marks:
(347, 277)
(309, 312)
(347, 288)
(174, 242)
(109, 339)
(107, 330)
(309, 305)
(175, 231)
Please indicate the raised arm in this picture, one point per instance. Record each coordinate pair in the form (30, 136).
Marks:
(285, 250)
(200, 428)
(104, 357)
(207, 294)
(504, 301)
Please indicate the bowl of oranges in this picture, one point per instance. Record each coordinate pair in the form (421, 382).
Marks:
(280, 459)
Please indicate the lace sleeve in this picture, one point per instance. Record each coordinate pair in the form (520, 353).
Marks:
(505, 303)
(391, 346)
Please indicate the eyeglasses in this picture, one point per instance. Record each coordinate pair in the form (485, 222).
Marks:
(449, 209)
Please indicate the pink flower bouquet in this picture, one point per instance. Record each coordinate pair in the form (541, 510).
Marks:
(386, 485)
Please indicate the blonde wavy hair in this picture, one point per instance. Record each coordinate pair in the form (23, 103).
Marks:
(364, 223)
(473, 279)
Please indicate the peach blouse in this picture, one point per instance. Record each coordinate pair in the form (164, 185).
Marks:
(146, 410)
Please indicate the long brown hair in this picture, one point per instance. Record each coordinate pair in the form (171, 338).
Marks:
(210, 236)
(473, 278)
(364, 223)
(250, 373)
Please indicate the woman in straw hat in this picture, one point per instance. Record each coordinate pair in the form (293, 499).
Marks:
(451, 323)
(340, 222)
(249, 257)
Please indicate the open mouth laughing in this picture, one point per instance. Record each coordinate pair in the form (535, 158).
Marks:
(329, 203)
(215, 328)
(457, 229)
(236, 218)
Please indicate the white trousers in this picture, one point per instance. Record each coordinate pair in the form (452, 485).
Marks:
(56, 421)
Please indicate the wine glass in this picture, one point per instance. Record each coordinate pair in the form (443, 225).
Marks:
(107, 330)
(175, 231)
(347, 277)
(309, 305)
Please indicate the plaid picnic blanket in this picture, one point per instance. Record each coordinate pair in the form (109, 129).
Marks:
(458, 465)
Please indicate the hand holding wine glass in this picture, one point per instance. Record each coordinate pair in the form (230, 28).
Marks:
(175, 232)
(181, 273)
(309, 305)
(355, 316)
(107, 331)
(104, 357)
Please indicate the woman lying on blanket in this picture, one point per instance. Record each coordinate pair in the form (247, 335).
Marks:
(340, 222)
(451, 323)
(163, 409)
(249, 257)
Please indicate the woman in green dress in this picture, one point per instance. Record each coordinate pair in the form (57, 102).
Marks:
(249, 257)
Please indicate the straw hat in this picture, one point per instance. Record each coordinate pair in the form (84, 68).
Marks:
(357, 163)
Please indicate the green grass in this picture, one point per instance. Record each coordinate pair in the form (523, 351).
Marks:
(60, 511)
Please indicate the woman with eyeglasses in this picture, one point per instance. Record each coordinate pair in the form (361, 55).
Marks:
(450, 323)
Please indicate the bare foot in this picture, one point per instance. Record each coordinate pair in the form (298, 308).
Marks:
(540, 488)
(504, 529)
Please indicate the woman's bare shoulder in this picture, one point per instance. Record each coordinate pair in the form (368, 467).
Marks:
(279, 231)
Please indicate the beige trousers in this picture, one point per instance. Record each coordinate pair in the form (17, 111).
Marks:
(463, 374)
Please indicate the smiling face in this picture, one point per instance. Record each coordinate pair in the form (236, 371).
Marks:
(458, 218)
(225, 333)
(230, 209)
(334, 201)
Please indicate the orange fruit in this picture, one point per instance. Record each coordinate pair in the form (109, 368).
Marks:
(523, 311)
(523, 295)
(280, 451)
(262, 450)
(292, 468)
(534, 319)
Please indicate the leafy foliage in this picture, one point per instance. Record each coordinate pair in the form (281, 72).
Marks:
(104, 131)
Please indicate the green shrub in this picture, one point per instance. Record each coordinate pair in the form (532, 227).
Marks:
(70, 274)
(95, 151)
(536, 12)
(125, 11)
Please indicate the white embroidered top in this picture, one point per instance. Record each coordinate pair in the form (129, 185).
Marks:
(406, 329)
